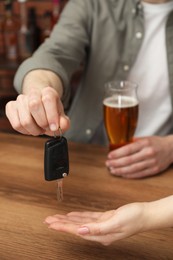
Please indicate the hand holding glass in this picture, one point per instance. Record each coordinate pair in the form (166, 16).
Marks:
(120, 112)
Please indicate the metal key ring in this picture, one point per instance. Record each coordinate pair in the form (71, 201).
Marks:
(60, 133)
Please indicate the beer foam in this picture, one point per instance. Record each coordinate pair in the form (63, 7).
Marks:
(120, 101)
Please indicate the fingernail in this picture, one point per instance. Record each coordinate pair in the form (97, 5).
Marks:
(83, 231)
(50, 220)
(53, 127)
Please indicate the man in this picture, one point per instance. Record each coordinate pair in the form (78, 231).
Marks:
(116, 40)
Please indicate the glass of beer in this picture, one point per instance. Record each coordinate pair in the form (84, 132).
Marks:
(120, 106)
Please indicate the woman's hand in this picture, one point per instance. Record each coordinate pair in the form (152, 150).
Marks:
(102, 227)
(144, 157)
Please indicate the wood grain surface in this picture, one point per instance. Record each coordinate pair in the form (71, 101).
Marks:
(26, 199)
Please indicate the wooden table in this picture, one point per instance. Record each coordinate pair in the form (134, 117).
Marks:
(26, 199)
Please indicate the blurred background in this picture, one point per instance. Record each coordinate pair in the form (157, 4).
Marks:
(24, 25)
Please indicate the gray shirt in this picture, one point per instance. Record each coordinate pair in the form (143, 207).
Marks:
(106, 36)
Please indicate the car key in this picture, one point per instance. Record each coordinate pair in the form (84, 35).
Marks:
(56, 162)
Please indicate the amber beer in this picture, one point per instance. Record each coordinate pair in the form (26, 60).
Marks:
(120, 118)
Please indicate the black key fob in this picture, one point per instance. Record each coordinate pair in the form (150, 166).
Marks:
(56, 159)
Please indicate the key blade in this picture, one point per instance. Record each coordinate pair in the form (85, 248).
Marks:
(60, 190)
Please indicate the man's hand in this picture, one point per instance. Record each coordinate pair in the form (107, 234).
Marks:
(38, 112)
(144, 157)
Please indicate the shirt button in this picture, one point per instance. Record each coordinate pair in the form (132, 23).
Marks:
(126, 67)
(133, 11)
(138, 35)
(139, 6)
(88, 131)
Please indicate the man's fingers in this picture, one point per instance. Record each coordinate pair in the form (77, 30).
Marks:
(13, 117)
(37, 110)
(25, 117)
(128, 149)
(50, 101)
(38, 113)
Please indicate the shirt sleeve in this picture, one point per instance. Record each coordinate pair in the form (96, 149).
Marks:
(66, 47)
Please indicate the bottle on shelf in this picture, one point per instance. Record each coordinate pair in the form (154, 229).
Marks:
(29, 33)
(46, 25)
(2, 45)
(55, 11)
(10, 28)
(34, 29)
(24, 35)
